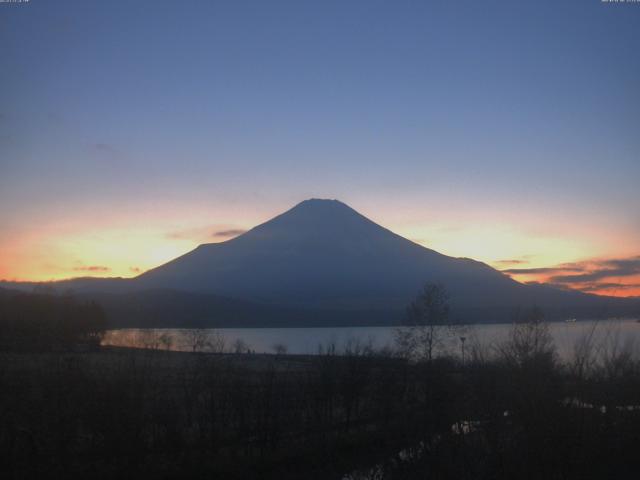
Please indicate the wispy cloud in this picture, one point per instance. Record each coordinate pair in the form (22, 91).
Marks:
(233, 232)
(92, 268)
(104, 147)
(511, 261)
(205, 234)
(595, 287)
(603, 269)
(105, 151)
(596, 275)
(543, 270)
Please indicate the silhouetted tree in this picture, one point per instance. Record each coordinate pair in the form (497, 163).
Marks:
(197, 339)
(530, 341)
(426, 318)
(240, 346)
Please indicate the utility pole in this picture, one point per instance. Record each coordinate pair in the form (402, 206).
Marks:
(462, 340)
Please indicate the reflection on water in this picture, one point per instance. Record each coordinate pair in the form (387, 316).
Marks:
(603, 334)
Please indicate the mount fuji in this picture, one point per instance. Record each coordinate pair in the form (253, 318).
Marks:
(322, 254)
(322, 263)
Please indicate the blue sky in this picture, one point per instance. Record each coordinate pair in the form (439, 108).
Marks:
(518, 115)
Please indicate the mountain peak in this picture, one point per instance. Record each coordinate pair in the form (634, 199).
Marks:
(321, 203)
(320, 200)
(319, 224)
(320, 214)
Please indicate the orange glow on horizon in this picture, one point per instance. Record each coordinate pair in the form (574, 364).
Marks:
(113, 252)
(128, 248)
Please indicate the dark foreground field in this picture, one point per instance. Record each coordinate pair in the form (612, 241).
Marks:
(154, 414)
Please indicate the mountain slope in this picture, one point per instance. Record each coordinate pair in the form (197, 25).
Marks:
(322, 253)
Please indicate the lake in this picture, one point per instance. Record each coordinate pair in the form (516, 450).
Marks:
(608, 334)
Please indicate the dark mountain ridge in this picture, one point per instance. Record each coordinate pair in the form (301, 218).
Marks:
(322, 253)
(322, 262)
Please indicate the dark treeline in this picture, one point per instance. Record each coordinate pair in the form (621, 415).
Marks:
(41, 322)
(511, 413)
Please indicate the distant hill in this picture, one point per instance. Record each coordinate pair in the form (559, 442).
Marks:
(322, 262)
(178, 309)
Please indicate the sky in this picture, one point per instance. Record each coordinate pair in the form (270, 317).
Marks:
(131, 132)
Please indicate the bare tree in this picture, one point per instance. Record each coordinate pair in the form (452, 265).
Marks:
(240, 346)
(197, 339)
(217, 343)
(529, 340)
(279, 348)
(585, 358)
(617, 355)
(166, 340)
(427, 322)
(148, 339)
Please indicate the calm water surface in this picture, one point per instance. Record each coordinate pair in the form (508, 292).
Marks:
(605, 333)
